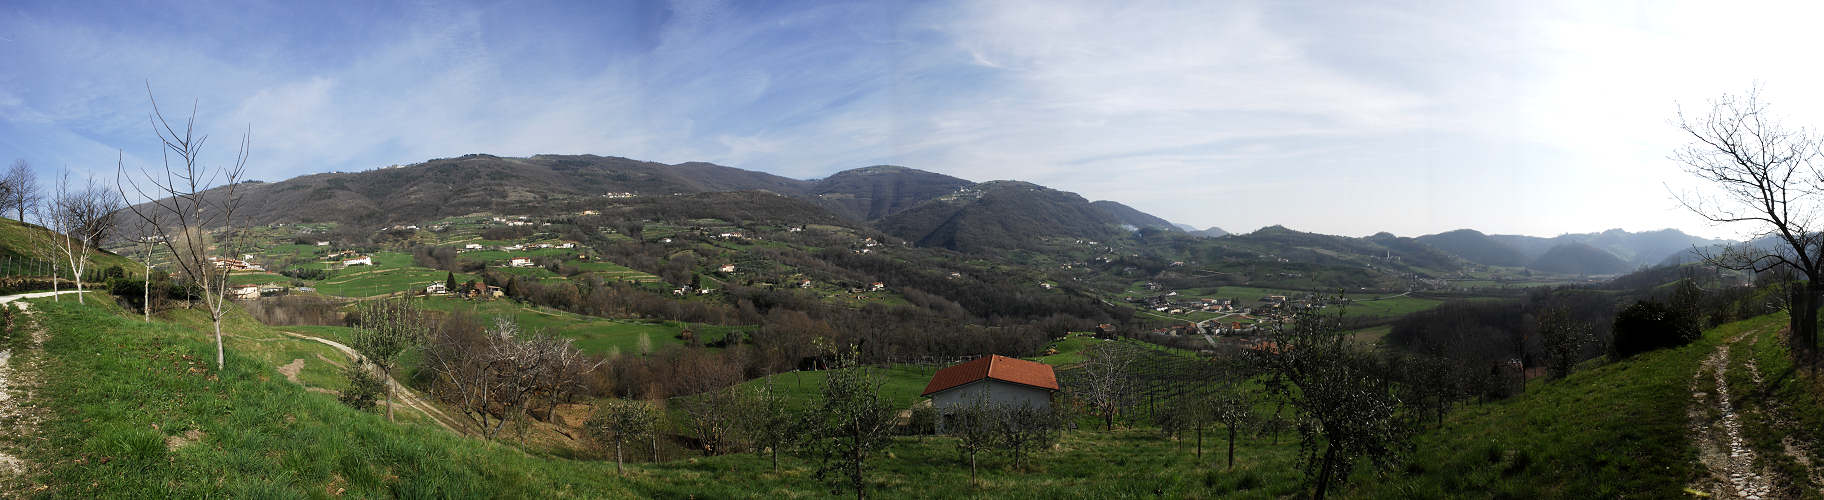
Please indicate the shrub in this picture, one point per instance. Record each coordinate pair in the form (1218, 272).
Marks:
(1648, 325)
(364, 388)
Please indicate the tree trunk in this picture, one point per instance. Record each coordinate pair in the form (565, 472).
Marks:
(1231, 446)
(386, 379)
(1108, 420)
(1805, 319)
(655, 446)
(775, 450)
(617, 458)
(1323, 475)
(218, 343)
(146, 303)
(1199, 444)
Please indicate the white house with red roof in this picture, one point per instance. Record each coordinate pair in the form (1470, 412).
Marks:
(999, 379)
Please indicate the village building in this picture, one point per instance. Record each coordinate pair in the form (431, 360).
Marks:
(729, 268)
(566, 245)
(472, 246)
(877, 286)
(997, 379)
(363, 261)
(244, 292)
(521, 262)
(436, 288)
(322, 243)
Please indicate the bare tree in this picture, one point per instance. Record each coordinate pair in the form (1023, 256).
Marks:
(79, 219)
(19, 188)
(1763, 176)
(185, 196)
(1107, 386)
(770, 424)
(145, 246)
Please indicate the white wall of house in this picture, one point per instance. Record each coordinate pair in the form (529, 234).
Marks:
(997, 392)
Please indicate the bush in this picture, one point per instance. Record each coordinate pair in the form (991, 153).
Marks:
(364, 388)
(1648, 325)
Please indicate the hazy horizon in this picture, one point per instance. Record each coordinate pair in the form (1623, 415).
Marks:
(1537, 119)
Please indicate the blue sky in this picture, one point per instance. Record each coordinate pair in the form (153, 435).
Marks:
(1339, 117)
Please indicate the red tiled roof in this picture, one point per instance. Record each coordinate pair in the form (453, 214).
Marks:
(1002, 368)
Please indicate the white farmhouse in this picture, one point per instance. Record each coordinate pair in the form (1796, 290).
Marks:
(520, 262)
(727, 268)
(999, 379)
(436, 288)
(363, 261)
(472, 246)
(244, 292)
(322, 243)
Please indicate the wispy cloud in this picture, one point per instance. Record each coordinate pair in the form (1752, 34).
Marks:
(1348, 118)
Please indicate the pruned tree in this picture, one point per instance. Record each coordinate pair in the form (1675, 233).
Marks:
(1564, 339)
(1234, 409)
(495, 375)
(1350, 413)
(189, 198)
(388, 328)
(622, 421)
(855, 422)
(79, 218)
(1025, 429)
(974, 425)
(1106, 384)
(770, 424)
(1764, 177)
(713, 416)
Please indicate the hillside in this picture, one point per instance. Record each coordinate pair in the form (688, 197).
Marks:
(1133, 217)
(871, 193)
(1578, 258)
(1001, 215)
(1475, 247)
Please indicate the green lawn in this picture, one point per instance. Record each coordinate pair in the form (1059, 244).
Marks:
(123, 392)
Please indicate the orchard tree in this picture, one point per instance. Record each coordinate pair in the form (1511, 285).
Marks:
(1350, 413)
(388, 329)
(1106, 384)
(189, 198)
(772, 425)
(622, 421)
(79, 219)
(974, 425)
(854, 424)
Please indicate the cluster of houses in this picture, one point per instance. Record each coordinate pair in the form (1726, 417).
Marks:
(235, 264)
(250, 292)
(517, 246)
(474, 291)
(1171, 303)
(351, 258)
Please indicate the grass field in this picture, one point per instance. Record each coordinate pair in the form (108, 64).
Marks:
(1614, 430)
(127, 394)
(392, 272)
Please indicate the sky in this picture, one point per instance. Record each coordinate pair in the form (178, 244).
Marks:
(1351, 118)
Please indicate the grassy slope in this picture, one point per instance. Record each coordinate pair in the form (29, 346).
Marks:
(1613, 430)
(17, 244)
(122, 388)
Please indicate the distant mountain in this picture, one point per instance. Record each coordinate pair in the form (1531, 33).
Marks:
(476, 183)
(871, 193)
(1133, 217)
(1645, 248)
(1579, 258)
(1383, 249)
(1212, 232)
(1000, 215)
(1476, 247)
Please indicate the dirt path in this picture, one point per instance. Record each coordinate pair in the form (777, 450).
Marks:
(18, 383)
(1717, 429)
(401, 393)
